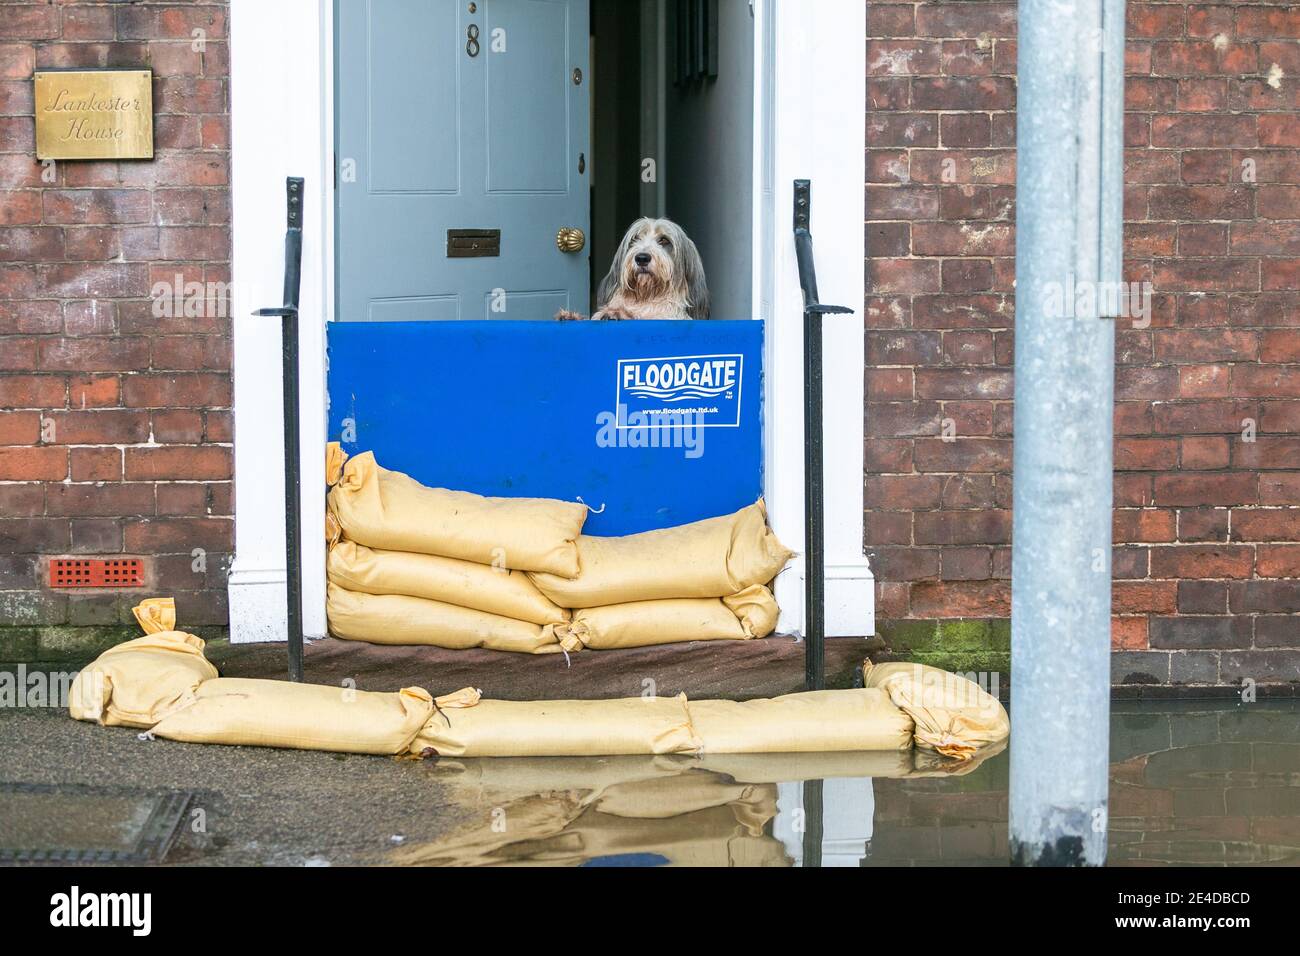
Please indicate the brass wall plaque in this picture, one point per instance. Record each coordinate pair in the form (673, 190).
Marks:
(94, 114)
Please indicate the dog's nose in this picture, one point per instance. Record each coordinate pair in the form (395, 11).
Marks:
(642, 259)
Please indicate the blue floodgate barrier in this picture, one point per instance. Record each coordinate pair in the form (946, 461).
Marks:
(652, 424)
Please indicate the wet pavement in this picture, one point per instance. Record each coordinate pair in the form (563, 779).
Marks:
(1202, 783)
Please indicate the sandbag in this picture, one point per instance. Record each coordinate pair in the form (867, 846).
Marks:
(706, 559)
(136, 683)
(560, 728)
(274, 713)
(389, 510)
(823, 720)
(750, 614)
(954, 716)
(401, 619)
(498, 591)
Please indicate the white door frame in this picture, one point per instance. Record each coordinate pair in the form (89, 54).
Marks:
(810, 96)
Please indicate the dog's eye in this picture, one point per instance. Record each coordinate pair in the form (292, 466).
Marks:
(665, 242)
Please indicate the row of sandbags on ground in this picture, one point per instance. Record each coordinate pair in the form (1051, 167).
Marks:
(410, 564)
(162, 683)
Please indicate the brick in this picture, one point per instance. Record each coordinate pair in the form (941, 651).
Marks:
(1278, 561)
(960, 383)
(1143, 597)
(1202, 239)
(905, 129)
(1202, 597)
(94, 354)
(903, 348)
(902, 202)
(962, 239)
(1146, 454)
(1267, 452)
(903, 419)
(966, 275)
(889, 20)
(902, 57)
(952, 599)
(1266, 524)
(31, 391)
(93, 391)
(887, 455)
(1203, 561)
(887, 527)
(1207, 452)
(1265, 238)
(33, 464)
(966, 564)
(1266, 381)
(966, 20)
(1201, 130)
(108, 500)
(1200, 632)
(96, 536)
(1205, 489)
(1203, 524)
(176, 535)
(1264, 596)
(903, 275)
(96, 464)
(1278, 130)
(193, 390)
(1276, 631)
(967, 527)
(1128, 633)
(1279, 488)
(97, 427)
(964, 455)
(905, 564)
(178, 462)
(967, 491)
(903, 492)
(1205, 166)
(1144, 524)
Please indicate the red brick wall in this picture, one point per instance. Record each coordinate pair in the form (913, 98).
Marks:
(114, 423)
(1207, 527)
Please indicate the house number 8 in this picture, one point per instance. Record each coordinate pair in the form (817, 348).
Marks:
(471, 44)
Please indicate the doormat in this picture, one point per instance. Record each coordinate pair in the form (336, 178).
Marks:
(41, 823)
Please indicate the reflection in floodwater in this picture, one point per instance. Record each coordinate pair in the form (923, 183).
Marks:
(1205, 783)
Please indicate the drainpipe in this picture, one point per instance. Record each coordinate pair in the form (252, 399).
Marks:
(1069, 214)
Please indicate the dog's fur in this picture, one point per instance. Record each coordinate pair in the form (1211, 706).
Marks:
(656, 274)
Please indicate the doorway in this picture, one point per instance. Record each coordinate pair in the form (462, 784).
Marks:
(492, 153)
(673, 132)
(809, 75)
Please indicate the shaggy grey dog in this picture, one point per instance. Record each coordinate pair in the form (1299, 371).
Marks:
(656, 274)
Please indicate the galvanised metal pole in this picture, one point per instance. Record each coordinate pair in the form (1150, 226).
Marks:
(1069, 210)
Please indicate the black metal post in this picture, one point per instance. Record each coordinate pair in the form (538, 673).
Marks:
(288, 313)
(814, 504)
(814, 822)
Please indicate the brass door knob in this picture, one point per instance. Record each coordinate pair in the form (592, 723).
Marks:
(570, 239)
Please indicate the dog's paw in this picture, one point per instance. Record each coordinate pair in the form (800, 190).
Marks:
(612, 315)
(565, 315)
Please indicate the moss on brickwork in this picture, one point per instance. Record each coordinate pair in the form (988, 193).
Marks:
(962, 644)
(68, 645)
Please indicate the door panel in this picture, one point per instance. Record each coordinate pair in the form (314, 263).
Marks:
(432, 138)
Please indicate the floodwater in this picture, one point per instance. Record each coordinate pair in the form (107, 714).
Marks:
(1205, 783)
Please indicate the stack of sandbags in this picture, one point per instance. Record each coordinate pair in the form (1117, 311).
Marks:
(162, 683)
(695, 582)
(410, 564)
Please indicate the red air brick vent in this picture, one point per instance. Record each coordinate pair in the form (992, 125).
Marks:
(96, 573)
